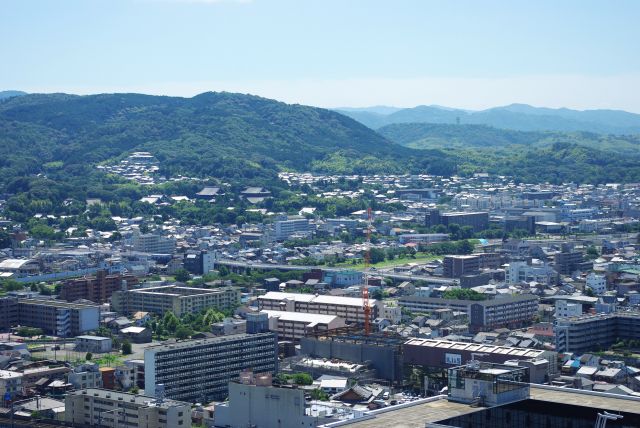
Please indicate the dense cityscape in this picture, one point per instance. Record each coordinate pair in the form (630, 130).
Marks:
(320, 214)
(183, 320)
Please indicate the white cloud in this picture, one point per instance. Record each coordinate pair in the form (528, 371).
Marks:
(572, 91)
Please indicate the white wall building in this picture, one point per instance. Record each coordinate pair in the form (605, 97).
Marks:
(566, 309)
(597, 283)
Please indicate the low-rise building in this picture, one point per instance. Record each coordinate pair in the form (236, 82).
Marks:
(102, 407)
(253, 401)
(94, 344)
(348, 308)
(295, 325)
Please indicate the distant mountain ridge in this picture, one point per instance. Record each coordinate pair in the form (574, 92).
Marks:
(521, 117)
(10, 94)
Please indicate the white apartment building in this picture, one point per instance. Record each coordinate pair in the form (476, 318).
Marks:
(520, 271)
(107, 408)
(351, 309)
(597, 283)
(293, 225)
(153, 244)
(566, 309)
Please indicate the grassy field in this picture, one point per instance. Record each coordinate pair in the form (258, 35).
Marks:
(391, 263)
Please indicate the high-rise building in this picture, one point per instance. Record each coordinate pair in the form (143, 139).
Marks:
(456, 266)
(152, 243)
(200, 370)
(97, 288)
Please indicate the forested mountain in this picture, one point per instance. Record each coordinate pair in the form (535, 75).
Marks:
(515, 116)
(438, 135)
(50, 144)
(9, 94)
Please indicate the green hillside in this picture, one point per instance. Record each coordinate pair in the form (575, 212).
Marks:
(50, 144)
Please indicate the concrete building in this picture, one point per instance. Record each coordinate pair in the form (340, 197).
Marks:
(348, 308)
(200, 262)
(93, 344)
(521, 271)
(179, 300)
(509, 311)
(85, 376)
(10, 384)
(479, 221)
(566, 309)
(254, 402)
(200, 370)
(106, 408)
(295, 325)
(345, 278)
(456, 266)
(444, 354)
(597, 283)
(294, 225)
(54, 317)
(567, 262)
(97, 289)
(153, 244)
(422, 238)
(488, 384)
(594, 332)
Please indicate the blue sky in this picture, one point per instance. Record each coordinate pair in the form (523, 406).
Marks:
(468, 54)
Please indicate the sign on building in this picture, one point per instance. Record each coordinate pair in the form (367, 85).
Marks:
(455, 359)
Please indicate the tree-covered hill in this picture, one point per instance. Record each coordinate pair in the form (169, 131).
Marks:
(50, 144)
(440, 135)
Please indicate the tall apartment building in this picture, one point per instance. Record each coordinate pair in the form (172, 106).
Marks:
(284, 229)
(97, 288)
(568, 262)
(179, 300)
(154, 244)
(200, 370)
(54, 317)
(594, 332)
(456, 266)
(479, 221)
(351, 309)
(511, 312)
(107, 408)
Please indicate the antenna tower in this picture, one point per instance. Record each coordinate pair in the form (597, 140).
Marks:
(365, 290)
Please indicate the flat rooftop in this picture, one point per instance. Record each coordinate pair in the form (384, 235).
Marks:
(418, 415)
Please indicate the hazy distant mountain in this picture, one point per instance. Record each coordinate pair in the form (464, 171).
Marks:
(9, 94)
(381, 110)
(520, 117)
